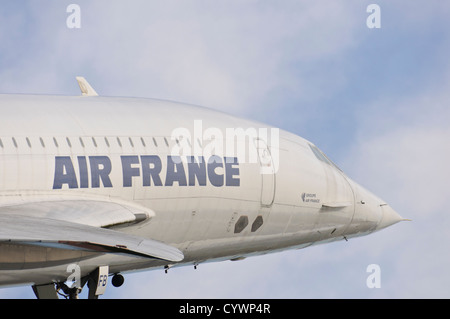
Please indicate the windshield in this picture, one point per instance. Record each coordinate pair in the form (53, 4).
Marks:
(322, 157)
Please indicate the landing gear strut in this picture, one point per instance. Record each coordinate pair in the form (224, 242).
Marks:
(96, 282)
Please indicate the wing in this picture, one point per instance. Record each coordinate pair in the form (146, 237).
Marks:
(90, 211)
(77, 224)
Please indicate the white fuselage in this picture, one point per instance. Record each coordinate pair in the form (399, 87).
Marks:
(123, 150)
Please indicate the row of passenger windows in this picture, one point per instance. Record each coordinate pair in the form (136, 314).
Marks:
(95, 141)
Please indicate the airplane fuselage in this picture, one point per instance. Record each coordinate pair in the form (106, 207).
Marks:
(201, 191)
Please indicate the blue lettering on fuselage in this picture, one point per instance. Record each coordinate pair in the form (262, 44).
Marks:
(194, 171)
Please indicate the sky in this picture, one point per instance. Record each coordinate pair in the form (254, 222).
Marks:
(375, 100)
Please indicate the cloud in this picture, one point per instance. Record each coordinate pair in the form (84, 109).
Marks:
(228, 55)
(402, 155)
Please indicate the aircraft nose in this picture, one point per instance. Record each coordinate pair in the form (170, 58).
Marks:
(389, 217)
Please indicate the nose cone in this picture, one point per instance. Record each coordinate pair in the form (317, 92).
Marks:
(389, 217)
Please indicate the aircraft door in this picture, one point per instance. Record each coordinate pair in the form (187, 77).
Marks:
(267, 172)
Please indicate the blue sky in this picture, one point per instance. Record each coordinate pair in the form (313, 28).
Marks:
(376, 101)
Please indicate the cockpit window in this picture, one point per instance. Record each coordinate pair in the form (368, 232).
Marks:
(322, 157)
(318, 154)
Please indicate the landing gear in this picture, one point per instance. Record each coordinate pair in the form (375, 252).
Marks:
(45, 291)
(117, 280)
(67, 292)
(51, 291)
(96, 282)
